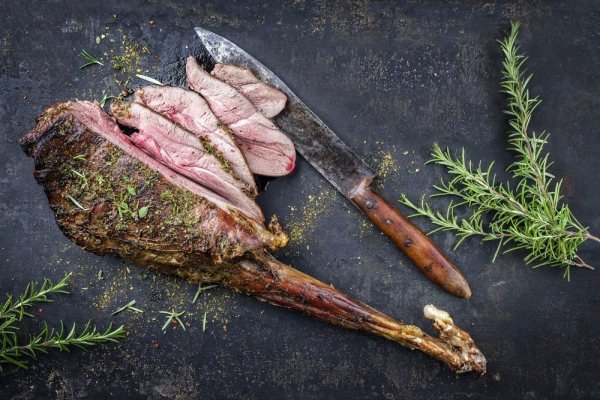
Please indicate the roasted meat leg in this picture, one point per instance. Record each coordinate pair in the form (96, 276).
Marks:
(97, 185)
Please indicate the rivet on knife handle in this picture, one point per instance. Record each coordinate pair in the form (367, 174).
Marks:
(414, 243)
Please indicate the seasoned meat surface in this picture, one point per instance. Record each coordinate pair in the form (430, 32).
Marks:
(98, 191)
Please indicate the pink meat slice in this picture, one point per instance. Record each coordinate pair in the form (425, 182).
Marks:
(268, 151)
(268, 100)
(191, 111)
(181, 151)
(96, 119)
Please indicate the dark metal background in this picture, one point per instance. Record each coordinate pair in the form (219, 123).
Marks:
(389, 78)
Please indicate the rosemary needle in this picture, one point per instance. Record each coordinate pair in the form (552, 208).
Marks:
(149, 79)
(91, 59)
(103, 101)
(172, 315)
(129, 306)
(76, 203)
(200, 290)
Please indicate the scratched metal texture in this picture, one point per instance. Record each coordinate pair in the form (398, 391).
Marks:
(390, 78)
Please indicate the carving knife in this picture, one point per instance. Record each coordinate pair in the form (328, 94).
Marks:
(343, 169)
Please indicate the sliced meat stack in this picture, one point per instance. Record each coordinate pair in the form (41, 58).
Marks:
(190, 133)
(268, 151)
(181, 151)
(190, 110)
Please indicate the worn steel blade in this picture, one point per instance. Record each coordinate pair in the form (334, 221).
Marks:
(312, 138)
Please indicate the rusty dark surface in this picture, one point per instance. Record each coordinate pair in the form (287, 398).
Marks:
(390, 79)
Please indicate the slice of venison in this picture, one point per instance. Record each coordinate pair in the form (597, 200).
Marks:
(181, 151)
(268, 100)
(269, 152)
(191, 111)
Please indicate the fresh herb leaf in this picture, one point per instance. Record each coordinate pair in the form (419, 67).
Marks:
(82, 176)
(103, 101)
(129, 306)
(151, 80)
(142, 212)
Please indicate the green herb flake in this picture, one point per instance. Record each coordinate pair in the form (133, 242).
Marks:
(103, 101)
(142, 212)
(172, 317)
(129, 306)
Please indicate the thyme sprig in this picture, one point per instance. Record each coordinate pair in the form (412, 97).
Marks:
(13, 350)
(531, 216)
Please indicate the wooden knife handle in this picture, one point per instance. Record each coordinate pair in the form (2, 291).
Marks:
(414, 243)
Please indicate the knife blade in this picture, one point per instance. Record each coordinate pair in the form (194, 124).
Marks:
(347, 172)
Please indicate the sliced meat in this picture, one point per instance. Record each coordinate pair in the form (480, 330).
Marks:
(181, 151)
(98, 210)
(268, 100)
(191, 111)
(268, 151)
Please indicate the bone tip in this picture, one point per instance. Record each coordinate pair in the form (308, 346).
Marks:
(434, 313)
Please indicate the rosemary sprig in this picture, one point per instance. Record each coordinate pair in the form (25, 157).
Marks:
(129, 306)
(172, 315)
(531, 216)
(13, 351)
(105, 99)
(91, 60)
(200, 290)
